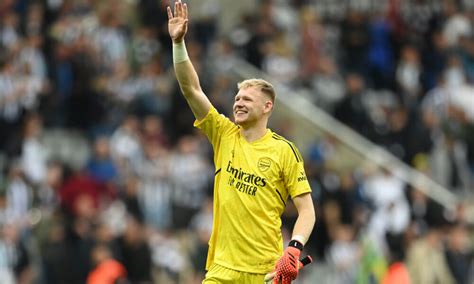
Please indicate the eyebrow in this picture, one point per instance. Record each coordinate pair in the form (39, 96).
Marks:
(243, 97)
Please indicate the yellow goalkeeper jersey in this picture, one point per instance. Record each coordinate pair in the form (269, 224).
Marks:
(252, 184)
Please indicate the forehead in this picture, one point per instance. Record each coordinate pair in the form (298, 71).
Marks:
(249, 91)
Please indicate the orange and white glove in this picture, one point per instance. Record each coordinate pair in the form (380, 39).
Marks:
(286, 268)
(303, 262)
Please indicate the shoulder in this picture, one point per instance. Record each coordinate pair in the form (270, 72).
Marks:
(287, 146)
(214, 116)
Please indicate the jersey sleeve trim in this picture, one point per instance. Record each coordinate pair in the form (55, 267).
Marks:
(295, 152)
(281, 197)
(308, 190)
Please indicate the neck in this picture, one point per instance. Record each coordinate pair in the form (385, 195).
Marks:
(253, 134)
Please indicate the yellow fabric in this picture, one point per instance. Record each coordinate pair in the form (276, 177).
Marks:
(222, 275)
(252, 184)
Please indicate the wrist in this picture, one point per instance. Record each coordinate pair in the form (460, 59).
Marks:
(299, 238)
(296, 244)
(180, 54)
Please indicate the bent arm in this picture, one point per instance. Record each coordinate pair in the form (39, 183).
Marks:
(189, 84)
(306, 218)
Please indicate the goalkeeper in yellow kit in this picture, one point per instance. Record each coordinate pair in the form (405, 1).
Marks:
(256, 171)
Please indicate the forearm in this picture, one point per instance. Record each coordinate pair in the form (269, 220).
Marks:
(189, 82)
(304, 226)
(185, 73)
(288, 265)
(306, 218)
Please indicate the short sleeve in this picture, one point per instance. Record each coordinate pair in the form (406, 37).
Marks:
(295, 178)
(214, 125)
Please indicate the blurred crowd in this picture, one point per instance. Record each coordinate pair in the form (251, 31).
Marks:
(104, 177)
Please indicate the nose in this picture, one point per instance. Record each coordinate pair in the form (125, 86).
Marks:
(238, 105)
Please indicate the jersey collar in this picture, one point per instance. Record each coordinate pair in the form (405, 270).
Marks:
(266, 136)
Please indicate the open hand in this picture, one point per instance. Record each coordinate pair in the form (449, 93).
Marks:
(178, 22)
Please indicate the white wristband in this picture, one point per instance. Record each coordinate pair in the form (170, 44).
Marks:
(299, 238)
(180, 54)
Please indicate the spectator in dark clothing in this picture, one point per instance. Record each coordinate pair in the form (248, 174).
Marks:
(351, 110)
(255, 48)
(459, 254)
(134, 252)
(407, 137)
(434, 59)
(354, 42)
(55, 260)
(130, 198)
(66, 254)
(381, 55)
(346, 196)
(56, 104)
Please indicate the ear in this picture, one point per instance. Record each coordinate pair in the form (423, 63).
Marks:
(268, 107)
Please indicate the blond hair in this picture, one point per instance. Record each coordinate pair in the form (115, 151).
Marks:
(263, 86)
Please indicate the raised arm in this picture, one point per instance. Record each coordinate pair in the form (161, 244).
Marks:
(185, 73)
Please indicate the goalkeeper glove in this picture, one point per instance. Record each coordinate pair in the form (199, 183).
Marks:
(286, 269)
(303, 262)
